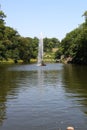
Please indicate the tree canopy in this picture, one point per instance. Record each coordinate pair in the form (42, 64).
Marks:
(14, 46)
(74, 45)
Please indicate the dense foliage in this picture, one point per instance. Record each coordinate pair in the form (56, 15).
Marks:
(74, 45)
(13, 46)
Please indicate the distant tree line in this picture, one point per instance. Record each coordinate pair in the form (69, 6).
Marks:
(14, 46)
(74, 45)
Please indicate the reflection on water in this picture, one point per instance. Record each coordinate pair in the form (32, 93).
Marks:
(43, 98)
(75, 78)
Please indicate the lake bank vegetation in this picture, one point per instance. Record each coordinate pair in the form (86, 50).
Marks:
(17, 49)
(73, 48)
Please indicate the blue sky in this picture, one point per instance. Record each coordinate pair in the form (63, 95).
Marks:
(54, 18)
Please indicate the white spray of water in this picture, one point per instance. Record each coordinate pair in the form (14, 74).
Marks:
(40, 50)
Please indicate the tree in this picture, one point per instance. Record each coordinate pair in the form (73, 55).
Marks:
(50, 43)
(85, 15)
(2, 24)
(35, 42)
(25, 49)
(2, 16)
(74, 45)
(10, 33)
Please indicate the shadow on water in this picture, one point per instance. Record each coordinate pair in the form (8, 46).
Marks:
(75, 80)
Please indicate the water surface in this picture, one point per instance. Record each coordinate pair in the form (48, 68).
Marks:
(51, 97)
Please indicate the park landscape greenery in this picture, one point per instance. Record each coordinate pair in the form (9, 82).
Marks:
(14, 47)
(73, 47)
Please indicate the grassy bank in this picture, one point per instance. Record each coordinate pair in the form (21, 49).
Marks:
(9, 61)
(48, 57)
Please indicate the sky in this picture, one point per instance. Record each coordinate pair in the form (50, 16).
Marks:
(54, 18)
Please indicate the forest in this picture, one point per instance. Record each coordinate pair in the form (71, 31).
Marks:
(14, 46)
(72, 48)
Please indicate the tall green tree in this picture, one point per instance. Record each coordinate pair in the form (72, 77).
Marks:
(75, 44)
(85, 15)
(2, 24)
(25, 49)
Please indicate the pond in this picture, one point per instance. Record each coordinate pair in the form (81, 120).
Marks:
(49, 97)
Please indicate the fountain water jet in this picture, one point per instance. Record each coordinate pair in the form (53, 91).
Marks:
(40, 52)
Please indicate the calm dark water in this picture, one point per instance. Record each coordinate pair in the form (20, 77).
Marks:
(51, 97)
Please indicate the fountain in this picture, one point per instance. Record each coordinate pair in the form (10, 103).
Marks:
(40, 52)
